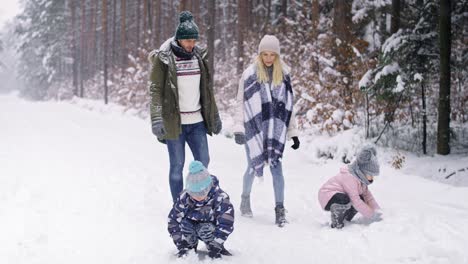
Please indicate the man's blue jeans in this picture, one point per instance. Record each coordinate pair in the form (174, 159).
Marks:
(195, 136)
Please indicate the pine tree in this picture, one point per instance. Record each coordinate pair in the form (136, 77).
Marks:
(43, 30)
(405, 67)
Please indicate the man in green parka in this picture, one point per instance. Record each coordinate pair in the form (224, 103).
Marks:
(183, 108)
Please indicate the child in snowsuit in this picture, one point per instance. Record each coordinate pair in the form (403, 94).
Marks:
(347, 193)
(202, 212)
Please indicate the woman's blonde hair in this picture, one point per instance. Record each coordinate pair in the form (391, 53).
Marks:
(262, 75)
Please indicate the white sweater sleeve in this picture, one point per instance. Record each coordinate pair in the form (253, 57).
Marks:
(239, 108)
(292, 128)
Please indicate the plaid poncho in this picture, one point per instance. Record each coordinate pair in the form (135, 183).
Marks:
(267, 112)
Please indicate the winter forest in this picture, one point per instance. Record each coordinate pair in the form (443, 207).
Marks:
(392, 73)
(385, 66)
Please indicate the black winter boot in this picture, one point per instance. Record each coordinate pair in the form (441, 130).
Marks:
(350, 213)
(280, 213)
(337, 212)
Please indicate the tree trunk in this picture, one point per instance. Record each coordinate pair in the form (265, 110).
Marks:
(166, 12)
(424, 113)
(84, 47)
(184, 5)
(173, 20)
(90, 59)
(211, 36)
(395, 16)
(114, 32)
(74, 49)
(267, 18)
(157, 22)
(224, 15)
(254, 15)
(342, 19)
(443, 125)
(145, 22)
(343, 52)
(194, 7)
(250, 7)
(93, 45)
(150, 18)
(138, 22)
(315, 18)
(104, 40)
(241, 19)
(123, 30)
(284, 8)
(283, 15)
(367, 115)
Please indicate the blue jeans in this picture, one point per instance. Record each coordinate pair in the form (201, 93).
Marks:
(195, 136)
(278, 181)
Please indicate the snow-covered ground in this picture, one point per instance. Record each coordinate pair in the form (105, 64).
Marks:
(90, 186)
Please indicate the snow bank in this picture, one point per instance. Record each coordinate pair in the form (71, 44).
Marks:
(80, 186)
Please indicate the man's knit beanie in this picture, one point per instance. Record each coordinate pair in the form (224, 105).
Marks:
(187, 29)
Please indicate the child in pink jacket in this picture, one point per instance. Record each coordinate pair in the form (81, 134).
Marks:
(347, 193)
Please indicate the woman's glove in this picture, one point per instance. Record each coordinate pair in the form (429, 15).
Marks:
(296, 143)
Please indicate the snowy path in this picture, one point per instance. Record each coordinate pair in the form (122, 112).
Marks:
(80, 186)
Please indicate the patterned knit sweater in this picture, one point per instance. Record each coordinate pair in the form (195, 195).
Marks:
(188, 82)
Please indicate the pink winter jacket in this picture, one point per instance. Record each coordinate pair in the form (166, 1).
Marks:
(346, 183)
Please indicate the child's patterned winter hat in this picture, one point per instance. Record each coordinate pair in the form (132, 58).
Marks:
(198, 182)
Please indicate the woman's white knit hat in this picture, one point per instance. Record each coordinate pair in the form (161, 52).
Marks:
(269, 43)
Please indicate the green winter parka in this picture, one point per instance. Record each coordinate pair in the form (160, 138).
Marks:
(164, 94)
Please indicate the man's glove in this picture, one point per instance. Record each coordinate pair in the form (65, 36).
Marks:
(239, 138)
(218, 125)
(296, 143)
(158, 129)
